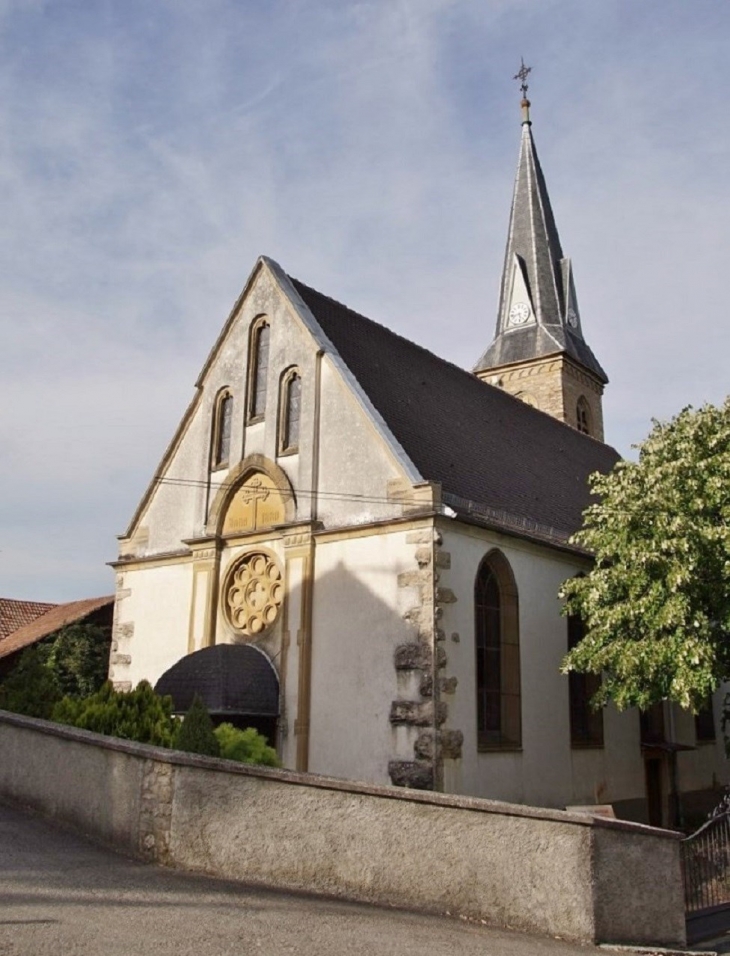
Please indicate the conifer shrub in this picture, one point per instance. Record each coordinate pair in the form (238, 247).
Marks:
(30, 688)
(140, 714)
(195, 734)
(245, 746)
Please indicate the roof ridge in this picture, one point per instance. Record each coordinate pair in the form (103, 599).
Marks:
(28, 601)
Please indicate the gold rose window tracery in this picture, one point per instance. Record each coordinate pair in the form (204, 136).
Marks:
(253, 594)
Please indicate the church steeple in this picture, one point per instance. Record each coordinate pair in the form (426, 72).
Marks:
(538, 351)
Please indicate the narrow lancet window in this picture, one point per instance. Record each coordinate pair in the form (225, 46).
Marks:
(223, 418)
(498, 656)
(290, 415)
(260, 369)
(586, 724)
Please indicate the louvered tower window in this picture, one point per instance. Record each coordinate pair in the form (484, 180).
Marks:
(583, 416)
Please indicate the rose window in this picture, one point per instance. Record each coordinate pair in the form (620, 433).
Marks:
(253, 594)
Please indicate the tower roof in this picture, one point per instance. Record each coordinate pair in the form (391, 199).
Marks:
(538, 309)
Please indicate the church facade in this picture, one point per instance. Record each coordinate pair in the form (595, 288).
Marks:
(357, 546)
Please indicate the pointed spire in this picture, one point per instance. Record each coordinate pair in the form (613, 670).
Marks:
(538, 309)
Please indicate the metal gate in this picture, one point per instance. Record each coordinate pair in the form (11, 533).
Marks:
(706, 866)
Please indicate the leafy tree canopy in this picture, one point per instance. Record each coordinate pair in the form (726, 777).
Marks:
(657, 603)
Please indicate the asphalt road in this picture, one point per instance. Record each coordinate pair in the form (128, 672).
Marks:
(63, 896)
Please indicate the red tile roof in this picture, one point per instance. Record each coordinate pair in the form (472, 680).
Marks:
(15, 614)
(56, 617)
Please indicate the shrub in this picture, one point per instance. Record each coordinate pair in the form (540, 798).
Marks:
(138, 714)
(245, 746)
(195, 734)
(30, 688)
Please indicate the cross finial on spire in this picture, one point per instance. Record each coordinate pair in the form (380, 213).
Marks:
(522, 75)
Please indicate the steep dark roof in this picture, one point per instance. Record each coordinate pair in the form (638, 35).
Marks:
(234, 679)
(480, 443)
(533, 247)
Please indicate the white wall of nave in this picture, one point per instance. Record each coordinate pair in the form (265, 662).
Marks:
(357, 624)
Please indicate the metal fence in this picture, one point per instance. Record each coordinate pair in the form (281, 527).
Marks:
(706, 865)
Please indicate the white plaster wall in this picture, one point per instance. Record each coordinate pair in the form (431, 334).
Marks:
(547, 771)
(355, 465)
(177, 502)
(357, 624)
(706, 767)
(158, 607)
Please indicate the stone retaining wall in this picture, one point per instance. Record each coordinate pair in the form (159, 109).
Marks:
(539, 870)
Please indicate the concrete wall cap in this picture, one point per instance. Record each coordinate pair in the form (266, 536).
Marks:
(476, 804)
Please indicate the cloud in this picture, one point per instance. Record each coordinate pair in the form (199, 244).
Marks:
(149, 153)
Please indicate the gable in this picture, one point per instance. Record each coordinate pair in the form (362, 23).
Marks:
(183, 494)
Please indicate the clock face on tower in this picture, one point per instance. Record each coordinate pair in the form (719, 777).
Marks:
(572, 318)
(519, 314)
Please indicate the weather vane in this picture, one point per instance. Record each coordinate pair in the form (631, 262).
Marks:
(522, 74)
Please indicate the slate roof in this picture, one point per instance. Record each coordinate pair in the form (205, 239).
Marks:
(235, 679)
(56, 617)
(518, 465)
(533, 242)
(15, 614)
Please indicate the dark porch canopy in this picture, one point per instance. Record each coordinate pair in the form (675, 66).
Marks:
(234, 679)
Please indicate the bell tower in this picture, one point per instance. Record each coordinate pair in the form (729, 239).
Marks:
(539, 353)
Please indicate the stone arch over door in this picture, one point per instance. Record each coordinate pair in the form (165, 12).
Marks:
(256, 495)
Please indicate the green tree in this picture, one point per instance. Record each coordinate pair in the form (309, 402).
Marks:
(79, 657)
(195, 734)
(245, 746)
(656, 604)
(138, 714)
(30, 688)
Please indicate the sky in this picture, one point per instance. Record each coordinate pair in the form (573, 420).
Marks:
(150, 150)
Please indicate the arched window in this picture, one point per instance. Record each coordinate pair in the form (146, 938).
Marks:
(586, 724)
(290, 410)
(222, 420)
(258, 369)
(583, 416)
(528, 398)
(499, 720)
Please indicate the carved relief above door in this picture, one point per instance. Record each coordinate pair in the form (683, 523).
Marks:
(256, 495)
(257, 503)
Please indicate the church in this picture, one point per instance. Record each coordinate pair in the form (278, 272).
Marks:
(356, 547)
